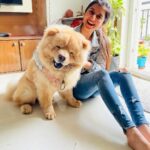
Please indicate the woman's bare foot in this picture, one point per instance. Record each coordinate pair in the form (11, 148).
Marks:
(136, 140)
(145, 130)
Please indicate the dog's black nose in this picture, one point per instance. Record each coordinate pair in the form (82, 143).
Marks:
(61, 58)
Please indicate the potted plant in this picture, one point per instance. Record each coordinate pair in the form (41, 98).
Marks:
(142, 55)
(114, 39)
(113, 32)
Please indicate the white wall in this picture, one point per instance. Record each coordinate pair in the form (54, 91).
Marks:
(56, 8)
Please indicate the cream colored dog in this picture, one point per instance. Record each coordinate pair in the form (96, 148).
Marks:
(55, 66)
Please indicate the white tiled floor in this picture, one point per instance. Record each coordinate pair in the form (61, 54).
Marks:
(90, 127)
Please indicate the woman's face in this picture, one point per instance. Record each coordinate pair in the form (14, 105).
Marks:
(94, 17)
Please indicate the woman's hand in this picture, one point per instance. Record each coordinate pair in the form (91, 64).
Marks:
(88, 65)
(123, 70)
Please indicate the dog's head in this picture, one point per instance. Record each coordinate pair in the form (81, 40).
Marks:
(62, 48)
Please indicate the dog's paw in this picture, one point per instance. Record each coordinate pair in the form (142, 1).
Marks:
(50, 115)
(26, 109)
(78, 103)
(75, 103)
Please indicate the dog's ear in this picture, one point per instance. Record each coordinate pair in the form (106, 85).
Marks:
(86, 45)
(52, 31)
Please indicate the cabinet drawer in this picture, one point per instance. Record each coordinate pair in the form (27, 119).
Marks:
(27, 48)
(9, 56)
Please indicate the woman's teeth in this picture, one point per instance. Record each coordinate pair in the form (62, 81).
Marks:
(90, 23)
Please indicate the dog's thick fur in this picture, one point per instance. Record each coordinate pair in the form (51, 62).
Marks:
(62, 53)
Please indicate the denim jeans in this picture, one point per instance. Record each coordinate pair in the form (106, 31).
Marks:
(104, 83)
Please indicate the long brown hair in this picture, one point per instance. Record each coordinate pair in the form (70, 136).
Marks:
(105, 47)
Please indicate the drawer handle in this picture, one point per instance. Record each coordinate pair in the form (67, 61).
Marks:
(22, 44)
(14, 44)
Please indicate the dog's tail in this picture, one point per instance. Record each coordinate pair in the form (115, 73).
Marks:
(10, 91)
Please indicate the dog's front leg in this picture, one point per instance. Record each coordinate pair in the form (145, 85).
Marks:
(68, 95)
(45, 98)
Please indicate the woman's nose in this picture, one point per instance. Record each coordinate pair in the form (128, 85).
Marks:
(93, 17)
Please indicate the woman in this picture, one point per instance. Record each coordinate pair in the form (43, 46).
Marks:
(96, 80)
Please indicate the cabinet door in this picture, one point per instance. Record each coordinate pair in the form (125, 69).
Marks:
(9, 56)
(27, 48)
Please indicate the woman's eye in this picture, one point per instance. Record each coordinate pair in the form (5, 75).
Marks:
(99, 16)
(91, 12)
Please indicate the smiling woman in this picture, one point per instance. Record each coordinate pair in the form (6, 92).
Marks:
(21, 6)
(95, 80)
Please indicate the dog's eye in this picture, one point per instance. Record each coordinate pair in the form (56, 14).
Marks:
(71, 54)
(57, 47)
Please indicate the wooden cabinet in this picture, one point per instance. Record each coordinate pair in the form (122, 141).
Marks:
(15, 53)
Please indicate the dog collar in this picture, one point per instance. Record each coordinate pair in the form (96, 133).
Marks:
(47, 73)
(37, 61)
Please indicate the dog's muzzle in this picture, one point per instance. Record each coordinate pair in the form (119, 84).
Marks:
(59, 62)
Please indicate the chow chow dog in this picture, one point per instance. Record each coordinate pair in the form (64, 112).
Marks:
(55, 67)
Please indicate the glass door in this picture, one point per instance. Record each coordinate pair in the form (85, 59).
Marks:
(143, 60)
(136, 38)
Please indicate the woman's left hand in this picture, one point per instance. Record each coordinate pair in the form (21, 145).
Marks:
(88, 65)
(123, 70)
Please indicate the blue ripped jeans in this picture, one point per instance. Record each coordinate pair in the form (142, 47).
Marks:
(104, 83)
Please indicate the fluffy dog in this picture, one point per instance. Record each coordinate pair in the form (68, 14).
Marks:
(55, 66)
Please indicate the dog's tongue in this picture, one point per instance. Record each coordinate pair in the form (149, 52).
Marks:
(57, 65)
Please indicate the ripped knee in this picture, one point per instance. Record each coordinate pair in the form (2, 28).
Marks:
(133, 99)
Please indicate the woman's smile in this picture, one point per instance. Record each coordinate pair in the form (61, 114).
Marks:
(90, 24)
